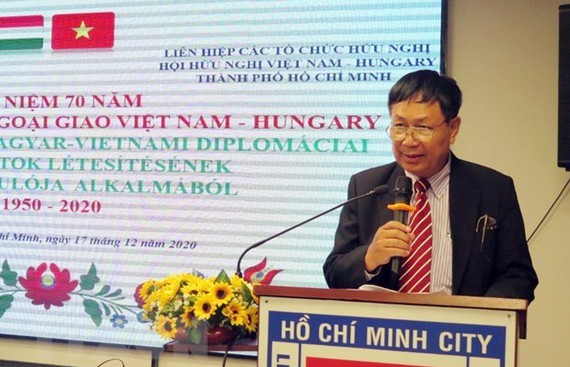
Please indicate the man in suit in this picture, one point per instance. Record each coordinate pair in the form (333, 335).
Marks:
(477, 240)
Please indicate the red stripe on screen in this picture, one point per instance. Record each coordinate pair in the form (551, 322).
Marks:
(22, 21)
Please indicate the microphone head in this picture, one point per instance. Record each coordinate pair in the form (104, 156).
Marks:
(403, 190)
(380, 190)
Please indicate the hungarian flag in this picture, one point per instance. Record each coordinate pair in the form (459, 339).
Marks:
(21, 32)
(86, 30)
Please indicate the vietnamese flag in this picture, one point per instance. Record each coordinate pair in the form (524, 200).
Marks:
(85, 30)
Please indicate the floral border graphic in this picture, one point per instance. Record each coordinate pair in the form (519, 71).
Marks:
(49, 285)
(260, 273)
(54, 286)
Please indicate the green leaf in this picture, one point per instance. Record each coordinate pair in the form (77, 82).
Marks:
(114, 294)
(195, 335)
(5, 303)
(92, 308)
(223, 278)
(107, 310)
(10, 277)
(103, 290)
(247, 296)
(89, 280)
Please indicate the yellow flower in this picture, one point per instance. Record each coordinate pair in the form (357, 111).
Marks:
(192, 278)
(238, 319)
(153, 301)
(205, 306)
(205, 285)
(235, 311)
(235, 306)
(188, 301)
(236, 281)
(175, 278)
(146, 289)
(188, 316)
(222, 292)
(252, 319)
(170, 291)
(165, 326)
(190, 289)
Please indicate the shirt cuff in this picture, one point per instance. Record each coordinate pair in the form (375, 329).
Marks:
(369, 276)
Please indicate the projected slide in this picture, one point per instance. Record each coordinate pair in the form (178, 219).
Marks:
(141, 139)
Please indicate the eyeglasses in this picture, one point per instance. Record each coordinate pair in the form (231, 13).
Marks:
(421, 133)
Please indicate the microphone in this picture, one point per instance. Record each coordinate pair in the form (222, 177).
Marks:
(378, 190)
(403, 193)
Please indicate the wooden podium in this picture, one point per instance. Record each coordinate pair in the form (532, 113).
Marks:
(315, 327)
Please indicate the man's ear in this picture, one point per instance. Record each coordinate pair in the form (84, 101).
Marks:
(454, 125)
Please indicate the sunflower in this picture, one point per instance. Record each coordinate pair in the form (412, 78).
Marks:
(235, 311)
(205, 307)
(222, 292)
(165, 326)
(238, 319)
(252, 319)
(236, 281)
(184, 305)
(190, 289)
(146, 289)
(188, 317)
(189, 278)
(170, 291)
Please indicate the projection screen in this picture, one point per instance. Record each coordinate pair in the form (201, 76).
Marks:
(144, 138)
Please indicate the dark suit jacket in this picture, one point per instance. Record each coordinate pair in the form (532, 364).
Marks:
(500, 267)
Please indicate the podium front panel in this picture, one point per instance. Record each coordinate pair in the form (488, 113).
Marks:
(299, 332)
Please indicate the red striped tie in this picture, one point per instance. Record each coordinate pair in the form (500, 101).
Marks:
(416, 268)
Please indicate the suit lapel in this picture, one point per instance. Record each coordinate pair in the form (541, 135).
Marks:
(464, 201)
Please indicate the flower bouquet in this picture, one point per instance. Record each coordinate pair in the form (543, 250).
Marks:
(193, 308)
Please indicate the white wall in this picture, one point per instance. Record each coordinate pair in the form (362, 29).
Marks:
(504, 55)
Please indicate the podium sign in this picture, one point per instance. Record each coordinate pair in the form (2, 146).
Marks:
(329, 332)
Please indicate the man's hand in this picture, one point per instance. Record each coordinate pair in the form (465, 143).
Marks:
(392, 239)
